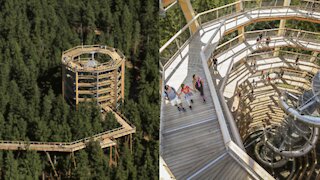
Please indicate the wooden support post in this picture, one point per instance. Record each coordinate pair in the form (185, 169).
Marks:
(116, 155)
(110, 158)
(314, 56)
(54, 170)
(123, 68)
(166, 3)
(73, 159)
(130, 143)
(189, 14)
(239, 8)
(63, 80)
(115, 88)
(77, 93)
(283, 21)
(282, 25)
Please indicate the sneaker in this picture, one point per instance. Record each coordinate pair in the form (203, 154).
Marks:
(204, 100)
(190, 107)
(179, 109)
(183, 109)
(191, 101)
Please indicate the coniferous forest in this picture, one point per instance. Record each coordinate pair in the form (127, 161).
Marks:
(33, 35)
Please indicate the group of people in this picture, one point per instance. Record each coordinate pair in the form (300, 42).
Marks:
(260, 39)
(267, 76)
(174, 97)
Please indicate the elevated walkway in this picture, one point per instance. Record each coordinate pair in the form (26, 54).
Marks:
(106, 139)
(191, 139)
(185, 137)
(192, 144)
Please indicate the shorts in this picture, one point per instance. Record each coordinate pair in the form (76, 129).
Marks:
(175, 101)
(188, 95)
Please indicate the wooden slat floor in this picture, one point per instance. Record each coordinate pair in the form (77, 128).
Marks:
(225, 169)
(192, 139)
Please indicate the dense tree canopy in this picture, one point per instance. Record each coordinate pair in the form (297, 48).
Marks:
(33, 35)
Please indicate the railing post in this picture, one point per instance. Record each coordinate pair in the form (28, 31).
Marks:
(314, 56)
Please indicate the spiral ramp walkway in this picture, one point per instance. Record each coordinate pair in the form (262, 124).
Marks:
(205, 143)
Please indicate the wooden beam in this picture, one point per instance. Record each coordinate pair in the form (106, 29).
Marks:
(77, 93)
(189, 14)
(239, 8)
(73, 159)
(123, 68)
(63, 79)
(314, 56)
(272, 19)
(52, 165)
(166, 3)
(110, 157)
(115, 73)
(131, 143)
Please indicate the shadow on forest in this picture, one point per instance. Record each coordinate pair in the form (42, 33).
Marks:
(51, 79)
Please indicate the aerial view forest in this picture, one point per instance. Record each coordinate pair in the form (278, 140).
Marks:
(33, 35)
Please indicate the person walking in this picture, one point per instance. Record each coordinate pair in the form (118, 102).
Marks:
(215, 64)
(198, 84)
(262, 74)
(297, 60)
(187, 94)
(268, 41)
(260, 36)
(173, 97)
(258, 42)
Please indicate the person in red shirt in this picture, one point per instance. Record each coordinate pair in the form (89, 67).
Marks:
(187, 94)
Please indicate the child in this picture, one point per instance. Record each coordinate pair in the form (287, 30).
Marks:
(187, 94)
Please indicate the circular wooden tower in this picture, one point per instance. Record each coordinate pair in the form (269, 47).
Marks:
(93, 73)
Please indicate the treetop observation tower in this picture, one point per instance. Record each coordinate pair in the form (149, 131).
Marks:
(260, 120)
(93, 72)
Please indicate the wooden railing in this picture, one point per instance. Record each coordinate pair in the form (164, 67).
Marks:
(105, 138)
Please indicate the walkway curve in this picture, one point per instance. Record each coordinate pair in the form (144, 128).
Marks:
(106, 139)
(187, 49)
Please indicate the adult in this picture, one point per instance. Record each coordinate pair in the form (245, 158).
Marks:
(297, 60)
(215, 63)
(198, 84)
(173, 97)
(268, 41)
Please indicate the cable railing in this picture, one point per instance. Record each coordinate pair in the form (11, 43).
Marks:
(173, 47)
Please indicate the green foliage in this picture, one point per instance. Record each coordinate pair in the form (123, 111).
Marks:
(33, 37)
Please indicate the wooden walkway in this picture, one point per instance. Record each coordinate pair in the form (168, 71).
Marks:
(106, 139)
(192, 140)
(185, 145)
(225, 168)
